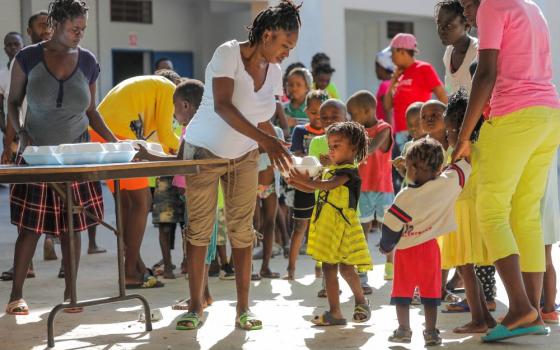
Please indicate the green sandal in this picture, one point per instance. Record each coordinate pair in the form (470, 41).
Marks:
(362, 312)
(189, 317)
(247, 321)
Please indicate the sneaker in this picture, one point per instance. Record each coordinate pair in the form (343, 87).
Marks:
(388, 275)
(432, 338)
(550, 318)
(400, 335)
(227, 273)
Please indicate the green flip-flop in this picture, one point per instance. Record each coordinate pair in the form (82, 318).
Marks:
(189, 317)
(501, 332)
(248, 322)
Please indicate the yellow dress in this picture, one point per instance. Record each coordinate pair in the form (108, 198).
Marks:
(465, 246)
(335, 233)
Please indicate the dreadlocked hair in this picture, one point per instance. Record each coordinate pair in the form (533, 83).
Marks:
(453, 6)
(427, 153)
(61, 10)
(283, 16)
(356, 135)
(456, 110)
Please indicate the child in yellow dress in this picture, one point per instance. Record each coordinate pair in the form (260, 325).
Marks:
(336, 237)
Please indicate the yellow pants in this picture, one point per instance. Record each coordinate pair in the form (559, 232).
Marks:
(516, 151)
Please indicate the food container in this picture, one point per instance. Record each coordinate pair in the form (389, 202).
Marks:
(80, 153)
(40, 155)
(152, 147)
(118, 153)
(307, 164)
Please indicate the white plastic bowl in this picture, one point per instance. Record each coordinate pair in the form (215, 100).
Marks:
(307, 164)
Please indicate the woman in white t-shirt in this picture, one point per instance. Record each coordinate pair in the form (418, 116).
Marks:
(242, 82)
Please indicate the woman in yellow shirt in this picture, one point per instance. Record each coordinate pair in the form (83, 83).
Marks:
(139, 108)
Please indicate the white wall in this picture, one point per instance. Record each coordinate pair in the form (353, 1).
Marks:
(10, 21)
(324, 28)
(367, 34)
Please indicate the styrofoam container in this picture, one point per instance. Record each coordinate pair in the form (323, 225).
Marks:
(81, 158)
(307, 164)
(86, 147)
(40, 155)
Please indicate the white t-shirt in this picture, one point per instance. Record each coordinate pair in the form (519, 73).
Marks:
(462, 77)
(207, 129)
(426, 212)
(5, 82)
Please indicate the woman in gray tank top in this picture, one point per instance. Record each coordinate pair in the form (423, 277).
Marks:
(58, 78)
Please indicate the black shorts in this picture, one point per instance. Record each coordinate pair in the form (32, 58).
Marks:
(303, 204)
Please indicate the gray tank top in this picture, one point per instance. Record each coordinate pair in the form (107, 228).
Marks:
(56, 109)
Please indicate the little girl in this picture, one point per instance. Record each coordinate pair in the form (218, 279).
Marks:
(298, 85)
(464, 248)
(336, 237)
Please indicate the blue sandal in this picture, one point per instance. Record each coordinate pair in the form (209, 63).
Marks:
(501, 332)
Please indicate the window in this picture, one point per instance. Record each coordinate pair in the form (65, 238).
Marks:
(135, 11)
(394, 28)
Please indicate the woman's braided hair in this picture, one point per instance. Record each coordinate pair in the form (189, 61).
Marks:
(283, 16)
(356, 135)
(453, 6)
(427, 153)
(61, 10)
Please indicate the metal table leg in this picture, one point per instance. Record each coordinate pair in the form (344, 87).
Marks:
(70, 210)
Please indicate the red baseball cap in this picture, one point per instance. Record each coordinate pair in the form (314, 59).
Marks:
(404, 41)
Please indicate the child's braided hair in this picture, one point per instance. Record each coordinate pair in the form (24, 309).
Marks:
(283, 16)
(316, 95)
(453, 6)
(356, 135)
(456, 110)
(427, 153)
(61, 10)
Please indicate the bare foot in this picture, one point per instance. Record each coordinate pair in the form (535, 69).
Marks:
(185, 303)
(472, 327)
(289, 276)
(529, 318)
(491, 323)
(168, 274)
(96, 250)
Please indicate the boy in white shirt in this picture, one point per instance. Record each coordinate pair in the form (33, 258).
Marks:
(421, 212)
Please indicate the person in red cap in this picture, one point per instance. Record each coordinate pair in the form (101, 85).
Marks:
(412, 81)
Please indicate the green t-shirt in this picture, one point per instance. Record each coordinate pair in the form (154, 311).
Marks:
(296, 113)
(318, 146)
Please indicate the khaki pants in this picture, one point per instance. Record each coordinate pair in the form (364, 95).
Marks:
(239, 183)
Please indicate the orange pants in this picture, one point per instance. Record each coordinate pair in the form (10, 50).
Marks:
(126, 184)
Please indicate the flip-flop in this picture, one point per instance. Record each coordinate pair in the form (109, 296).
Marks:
(149, 282)
(363, 310)
(459, 307)
(501, 332)
(17, 308)
(248, 322)
(73, 310)
(270, 275)
(327, 319)
(191, 317)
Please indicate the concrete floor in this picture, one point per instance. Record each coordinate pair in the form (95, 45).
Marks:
(285, 308)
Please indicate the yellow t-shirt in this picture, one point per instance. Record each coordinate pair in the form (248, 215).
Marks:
(149, 97)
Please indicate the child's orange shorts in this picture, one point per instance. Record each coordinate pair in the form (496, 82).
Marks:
(126, 184)
(418, 266)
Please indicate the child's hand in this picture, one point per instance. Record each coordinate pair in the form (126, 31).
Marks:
(398, 163)
(299, 177)
(142, 154)
(324, 159)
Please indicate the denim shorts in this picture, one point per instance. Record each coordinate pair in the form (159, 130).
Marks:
(374, 204)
